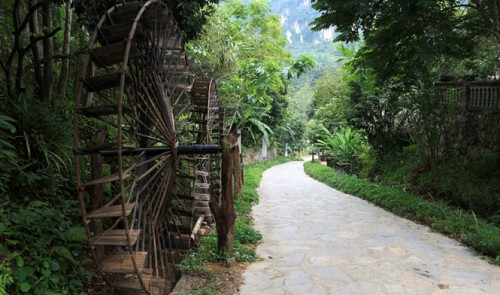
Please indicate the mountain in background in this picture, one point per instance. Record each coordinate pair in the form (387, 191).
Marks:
(296, 17)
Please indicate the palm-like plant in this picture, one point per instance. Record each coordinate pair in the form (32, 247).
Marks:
(344, 146)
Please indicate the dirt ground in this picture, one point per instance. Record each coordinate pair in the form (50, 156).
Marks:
(227, 280)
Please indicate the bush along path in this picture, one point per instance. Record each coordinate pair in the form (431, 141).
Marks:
(318, 240)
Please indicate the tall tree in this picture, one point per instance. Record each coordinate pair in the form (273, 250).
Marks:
(407, 37)
(63, 80)
(48, 52)
(36, 48)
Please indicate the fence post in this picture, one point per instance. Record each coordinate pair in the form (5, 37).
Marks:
(467, 96)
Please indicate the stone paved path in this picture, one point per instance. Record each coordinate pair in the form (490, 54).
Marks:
(318, 240)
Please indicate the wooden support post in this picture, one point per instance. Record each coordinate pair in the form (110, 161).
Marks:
(225, 215)
(97, 191)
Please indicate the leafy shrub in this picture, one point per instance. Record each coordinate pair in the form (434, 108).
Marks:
(344, 147)
(368, 163)
(244, 233)
(45, 133)
(45, 251)
(8, 156)
(35, 147)
(398, 169)
(470, 181)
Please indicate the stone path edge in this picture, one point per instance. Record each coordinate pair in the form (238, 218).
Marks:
(434, 225)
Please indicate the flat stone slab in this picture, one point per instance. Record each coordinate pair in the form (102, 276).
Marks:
(317, 240)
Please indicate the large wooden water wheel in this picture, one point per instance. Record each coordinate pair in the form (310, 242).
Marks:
(146, 146)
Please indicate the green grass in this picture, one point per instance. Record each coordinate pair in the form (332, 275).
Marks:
(458, 224)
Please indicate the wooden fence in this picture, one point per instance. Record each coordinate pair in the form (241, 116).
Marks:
(474, 96)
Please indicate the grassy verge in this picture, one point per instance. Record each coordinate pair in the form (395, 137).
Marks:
(458, 224)
(246, 238)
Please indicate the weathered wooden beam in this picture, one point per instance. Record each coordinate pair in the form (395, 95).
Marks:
(181, 150)
(97, 191)
(199, 149)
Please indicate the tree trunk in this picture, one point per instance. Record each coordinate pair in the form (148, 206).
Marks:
(19, 73)
(36, 50)
(225, 215)
(7, 65)
(496, 20)
(48, 64)
(63, 80)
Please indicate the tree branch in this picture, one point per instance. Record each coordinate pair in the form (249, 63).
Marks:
(496, 33)
(4, 68)
(480, 8)
(26, 19)
(34, 41)
(58, 56)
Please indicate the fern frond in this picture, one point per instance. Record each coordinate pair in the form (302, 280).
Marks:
(64, 253)
(75, 234)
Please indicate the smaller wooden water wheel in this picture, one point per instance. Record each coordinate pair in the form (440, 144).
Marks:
(191, 203)
(138, 144)
(209, 118)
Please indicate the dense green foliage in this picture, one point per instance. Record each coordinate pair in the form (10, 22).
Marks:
(42, 250)
(344, 147)
(466, 227)
(405, 48)
(469, 181)
(415, 32)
